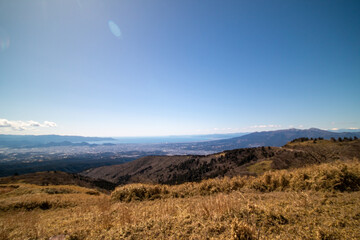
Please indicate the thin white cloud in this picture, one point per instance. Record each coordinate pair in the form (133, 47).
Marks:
(33, 123)
(262, 127)
(4, 123)
(24, 125)
(49, 124)
(265, 126)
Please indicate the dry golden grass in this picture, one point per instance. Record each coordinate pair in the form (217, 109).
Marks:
(340, 176)
(214, 209)
(260, 167)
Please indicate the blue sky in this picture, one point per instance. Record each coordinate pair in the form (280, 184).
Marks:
(147, 68)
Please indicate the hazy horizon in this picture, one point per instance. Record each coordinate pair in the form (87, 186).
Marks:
(190, 135)
(160, 68)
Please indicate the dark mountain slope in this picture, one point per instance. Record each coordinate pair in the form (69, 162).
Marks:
(59, 178)
(247, 161)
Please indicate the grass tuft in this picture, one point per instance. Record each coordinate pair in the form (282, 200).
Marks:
(241, 230)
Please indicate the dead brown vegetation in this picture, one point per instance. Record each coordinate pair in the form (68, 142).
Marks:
(315, 202)
(335, 176)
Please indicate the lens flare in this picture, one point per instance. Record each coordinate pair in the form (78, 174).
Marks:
(114, 28)
(4, 40)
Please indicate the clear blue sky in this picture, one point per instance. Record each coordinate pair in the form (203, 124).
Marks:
(140, 68)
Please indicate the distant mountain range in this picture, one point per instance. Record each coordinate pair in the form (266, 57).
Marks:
(267, 138)
(212, 142)
(31, 141)
(20, 141)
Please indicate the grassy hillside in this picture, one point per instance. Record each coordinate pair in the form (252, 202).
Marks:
(59, 178)
(315, 202)
(246, 161)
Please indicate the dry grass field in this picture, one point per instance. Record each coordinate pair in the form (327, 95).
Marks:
(315, 202)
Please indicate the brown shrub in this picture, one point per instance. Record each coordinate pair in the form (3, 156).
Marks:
(139, 192)
(241, 230)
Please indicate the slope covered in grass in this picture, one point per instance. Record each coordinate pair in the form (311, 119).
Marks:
(246, 161)
(59, 178)
(315, 202)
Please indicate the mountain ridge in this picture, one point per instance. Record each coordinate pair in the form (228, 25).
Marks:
(229, 163)
(275, 138)
(19, 141)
